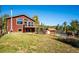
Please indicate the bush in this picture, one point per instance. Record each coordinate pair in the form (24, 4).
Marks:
(70, 41)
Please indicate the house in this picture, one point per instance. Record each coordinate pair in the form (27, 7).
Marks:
(20, 23)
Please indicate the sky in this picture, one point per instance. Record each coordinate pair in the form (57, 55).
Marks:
(47, 14)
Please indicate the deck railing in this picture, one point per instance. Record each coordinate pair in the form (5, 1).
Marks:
(25, 26)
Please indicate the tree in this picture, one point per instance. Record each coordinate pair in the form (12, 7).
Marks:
(44, 26)
(0, 26)
(35, 18)
(57, 27)
(4, 22)
(0, 21)
(65, 27)
(74, 25)
(36, 22)
(69, 28)
(61, 28)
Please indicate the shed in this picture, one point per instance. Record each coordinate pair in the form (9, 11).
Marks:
(51, 31)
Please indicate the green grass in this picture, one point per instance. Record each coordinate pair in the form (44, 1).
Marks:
(30, 42)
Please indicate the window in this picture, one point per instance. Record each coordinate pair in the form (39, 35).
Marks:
(19, 21)
(25, 23)
(19, 29)
(30, 23)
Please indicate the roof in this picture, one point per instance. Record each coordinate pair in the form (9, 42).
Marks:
(51, 29)
(19, 16)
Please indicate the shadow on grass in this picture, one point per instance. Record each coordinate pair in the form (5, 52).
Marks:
(3, 34)
(70, 41)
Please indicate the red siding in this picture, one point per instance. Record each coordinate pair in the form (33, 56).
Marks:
(15, 25)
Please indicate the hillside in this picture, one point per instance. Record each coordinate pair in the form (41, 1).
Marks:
(30, 42)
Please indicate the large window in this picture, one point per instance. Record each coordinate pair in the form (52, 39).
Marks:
(19, 21)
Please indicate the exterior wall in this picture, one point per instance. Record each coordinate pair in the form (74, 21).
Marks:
(16, 26)
(29, 28)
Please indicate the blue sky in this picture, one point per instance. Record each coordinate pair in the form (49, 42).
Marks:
(48, 14)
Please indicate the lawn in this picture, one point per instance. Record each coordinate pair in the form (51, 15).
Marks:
(35, 43)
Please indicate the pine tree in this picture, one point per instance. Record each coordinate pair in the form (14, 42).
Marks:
(74, 25)
(4, 24)
(65, 26)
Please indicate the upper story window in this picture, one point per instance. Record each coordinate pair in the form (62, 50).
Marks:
(19, 21)
(30, 23)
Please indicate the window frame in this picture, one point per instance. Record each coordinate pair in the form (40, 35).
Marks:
(17, 21)
(30, 24)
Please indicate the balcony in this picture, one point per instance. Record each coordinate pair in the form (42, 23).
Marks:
(28, 26)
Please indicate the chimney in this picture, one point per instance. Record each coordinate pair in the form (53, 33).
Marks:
(11, 29)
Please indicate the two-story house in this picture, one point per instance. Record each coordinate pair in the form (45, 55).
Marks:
(20, 23)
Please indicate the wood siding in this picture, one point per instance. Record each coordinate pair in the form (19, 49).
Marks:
(16, 26)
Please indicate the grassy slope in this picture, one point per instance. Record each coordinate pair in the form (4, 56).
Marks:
(26, 42)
